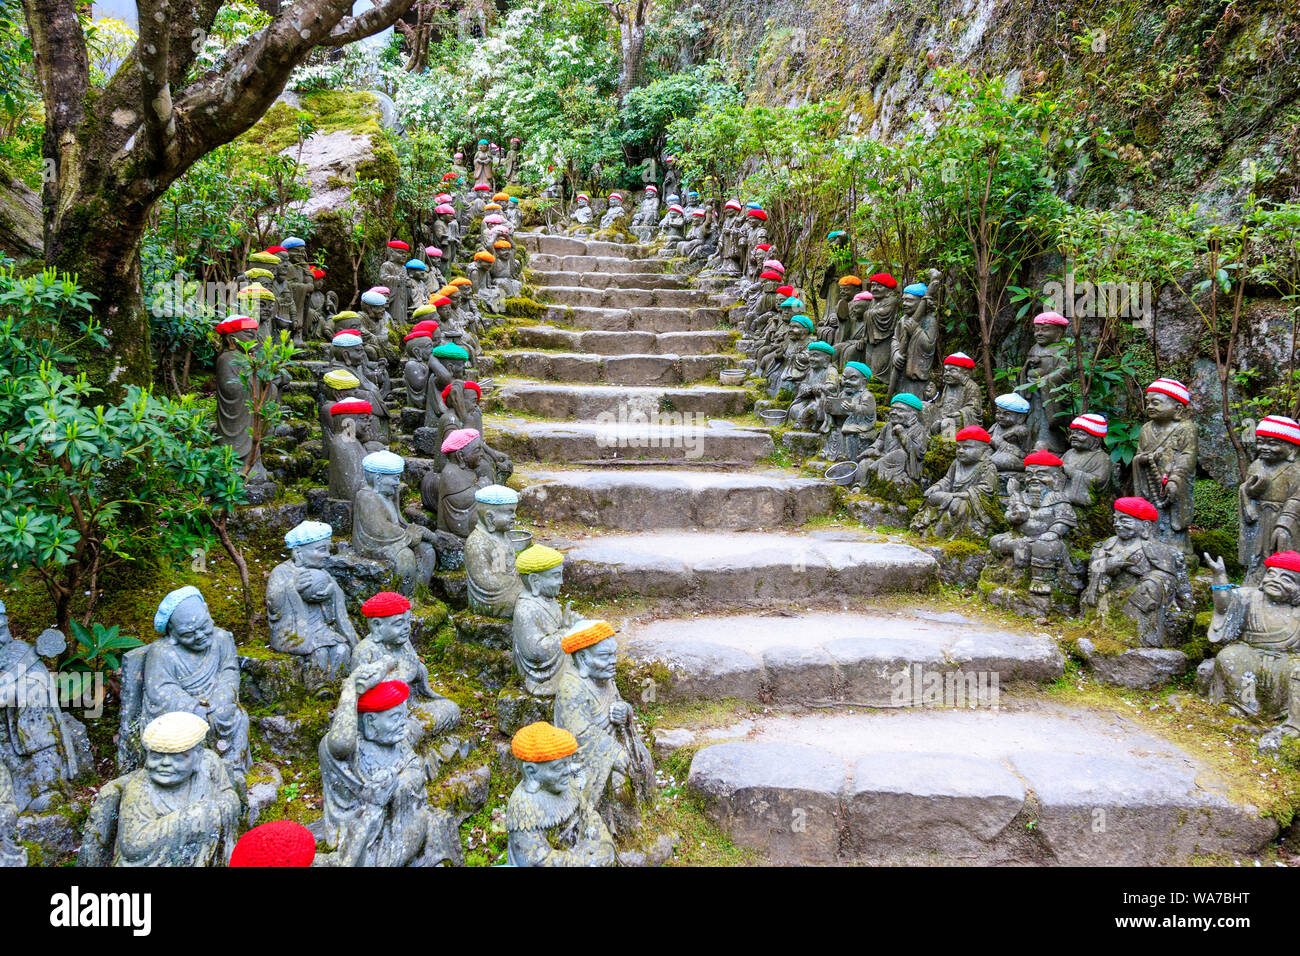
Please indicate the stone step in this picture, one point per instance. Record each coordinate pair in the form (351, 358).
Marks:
(652, 500)
(1026, 783)
(867, 659)
(606, 264)
(739, 567)
(606, 280)
(536, 242)
(587, 402)
(612, 369)
(594, 341)
(561, 442)
(625, 298)
(644, 319)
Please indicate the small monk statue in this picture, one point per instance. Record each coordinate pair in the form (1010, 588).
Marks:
(964, 502)
(234, 416)
(1257, 672)
(877, 340)
(319, 309)
(581, 215)
(306, 609)
(853, 415)
(1270, 495)
(449, 493)
(301, 282)
(832, 292)
(619, 771)
(483, 165)
(379, 529)
(464, 411)
(417, 370)
(182, 808)
(1087, 466)
(1042, 521)
(348, 352)
(851, 329)
(724, 261)
(1010, 435)
(915, 334)
(897, 456)
(961, 401)
(349, 420)
(1143, 578)
(1165, 463)
(492, 580)
(540, 620)
(646, 219)
(614, 212)
(513, 164)
(446, 231)
(375, 322)
(672, 228)
(192, 667)
(1047, 368)
(548, 818)
(808, 408)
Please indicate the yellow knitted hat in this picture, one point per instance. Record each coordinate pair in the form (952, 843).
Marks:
(540, 742)
(267, 258)
(174, 733)
(340, 378)
(537, 558)
(259, 274)
(256, 291)
(585, 634)
(425, 309)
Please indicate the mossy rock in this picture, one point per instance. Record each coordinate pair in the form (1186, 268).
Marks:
(524, 308)
(939, 456)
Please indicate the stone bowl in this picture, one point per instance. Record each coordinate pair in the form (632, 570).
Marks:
(519, 538)
(773, 416)
(731, 376)
(842, 472)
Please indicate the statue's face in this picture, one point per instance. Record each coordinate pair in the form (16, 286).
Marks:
(1081, 440)
(497, 517)
(910, 301)
(599, 660)
(971, 451)
(1274, 449)
(172, 770)
(244, 335)
(349, 355)
(387, 727)
(387, 485)
(191, 625)
(394, 630)
(858, 307)
(1128, 527)
(455, 366)
(1160, 407)
(553, 776)
(313, 555)
(397, 256)
(1006, 417)
(818, 359)
(615, 203)
(1040, 479)
(280, 270)
(415, 273)
(583, 203)
(1048, 334)
(954, 375)
(546, 583)
(472, 454)
(898, 414)
(420, 348)
(1281, 586)
(852, 381)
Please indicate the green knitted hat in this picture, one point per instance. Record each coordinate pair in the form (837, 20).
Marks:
(821, 347)
(866, 372)
(906, 398)
(802, 320)
(450, 350)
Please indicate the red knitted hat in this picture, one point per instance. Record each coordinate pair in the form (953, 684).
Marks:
(385, 604)
(383, 696)
(1042, 457)
(960, 359)
(278, 843)
(763, 246)
(315, 274)
(276, 250)
(351, 406)
(786, 290)
(469, 386)
(770, 275)
(1287, 560)
(427, 325)
(417, 334)
(758, 214)
(885, 279)
(441, 301)
(238, 323)
(398, 244)
(1137, 507)
(973, 433)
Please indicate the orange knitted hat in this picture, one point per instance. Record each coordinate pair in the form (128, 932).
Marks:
(585, 636)
(540, 742)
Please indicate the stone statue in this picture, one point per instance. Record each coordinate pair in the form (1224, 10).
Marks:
(831, 288)
(875, 345)
(417, 370)
(850, 331)
(1270, 496)
(301, 282)
(619, 772)
(12, 853)
(306, 610)
(493, 582)
(234, 417)
(786, 360)
(449, 493)
(1165, 463)
(319, 309)
(463, 411)
(725, 261)
(915, 334)
(182, 808)
(540, 620)
(1257, 673)
(192, 667)
(374, 326)
(961, 400)
(512, 164)
(549, 820)
(897, 456)
(446, 231)
(1010, 434)
(348, 352)
(282, 272)
(1042, 521)
(1142, 578)
(393, 273)
(1047, 368)
(417, 286)
(379, 529)
(37, 746)
(1087, 465)
(964, 502)
(852, 413)
(808, 408)
(615, 212)
(483, 165)
(349, 420)
(581, 215)
(672, 228)
(646, 219)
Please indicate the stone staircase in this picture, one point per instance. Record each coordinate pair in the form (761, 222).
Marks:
(657, 483)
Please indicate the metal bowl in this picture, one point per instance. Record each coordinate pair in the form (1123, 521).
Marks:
(773, 416)
(519, 538)
(842, 472)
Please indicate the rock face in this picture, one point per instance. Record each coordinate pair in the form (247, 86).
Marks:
(1139, 668)
(331, 161)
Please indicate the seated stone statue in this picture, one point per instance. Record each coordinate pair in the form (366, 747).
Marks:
(619, 772)
(1270, 496)
(897, 456)
(182, 808)
(376, 802)
(1042, 521)
(964, 502)
(462, 400)
(672, 228)
(389, 644)
(492, 580)
(305, 607)
(349, 421)
(450, 492)
(549, 821)
(193, 667)
(808, 409)
(1257, 672)
(1148, 576)
(539, 619)
(615, 212)
(379, 529)
(417, 371)
(852, 414)
(1087, 465)
(1010, 435)
(960, 402)
(646, 219)
(581, 215)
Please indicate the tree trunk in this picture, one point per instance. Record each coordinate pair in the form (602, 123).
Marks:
(632, 44)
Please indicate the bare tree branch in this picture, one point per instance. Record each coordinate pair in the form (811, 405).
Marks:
(152, 55)
(377, 18)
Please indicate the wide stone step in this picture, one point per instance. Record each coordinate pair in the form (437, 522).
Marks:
(612, 369)
(631, 440)
(1024, 783)
(703, 342)
(624, 298)
(611, 265)
(644, 319)
(587, 402)
(606, 280)
(647, 500)
(740, 567)
(869, 659)
(574, 246)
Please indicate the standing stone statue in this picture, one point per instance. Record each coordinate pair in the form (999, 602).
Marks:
(540, 620)
(881, 320)
(831, 289)
(461, 400)
(417, 370)
(1010, 435)
(300, 283)
(234, 417)
(850, 332)
(492, 580)
(964, 502)
(915, 335)
(379, 529)
(1087, 466)
(897, 456)
(483, 165)
(306, 609)
(1042, 522)
(417, 288)
(1165, 463)
(1047, 368)
(192, 667)
(37, 746)
(1142, 578)
(1257, 672)
(619, 771)
(853, 415)
(961, 401)
(319, 309)
(182, 808)
(350, 420)
(1270, 496)
(512, 164)
(548, 819)
(615, 212)
(446, 231)
(725, 261)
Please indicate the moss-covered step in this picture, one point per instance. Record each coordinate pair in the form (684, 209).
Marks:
(547, 279)
(642, 319)
(628, 342)
(628, 298)
(612, 265)
(579, 367)
(631, 440)
(588, 402)
(541, 244)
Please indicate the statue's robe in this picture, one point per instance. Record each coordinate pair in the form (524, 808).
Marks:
(1257, 671)
(1276, 524)
(957, 407)
(492, 580)
(176, 679)
(547, 829)
(1151, 579)
(612, 215)
(974, 504)
(897, 460)
(1048, 367)
(376, 805)
(808, 409)
(234, 419)
(535, 632)
(379, 532)
(450, 493)
(1086, 473)
(914, 341)
(299, 626)
(1173, 447)
(35, 743)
